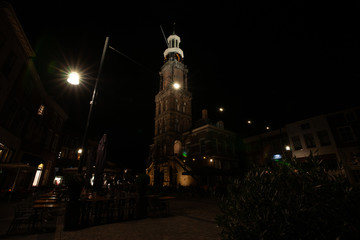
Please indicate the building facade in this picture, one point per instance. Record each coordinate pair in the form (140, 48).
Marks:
(264, 148)
(313, 135)
(345, 128)
(334, 138)
(30, 120)
(178, 148)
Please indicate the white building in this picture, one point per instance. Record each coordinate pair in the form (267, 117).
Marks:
(313, 135)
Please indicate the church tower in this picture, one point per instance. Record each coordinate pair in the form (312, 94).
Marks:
(172, 113)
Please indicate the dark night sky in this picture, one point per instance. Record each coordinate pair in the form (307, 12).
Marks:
(269, 62)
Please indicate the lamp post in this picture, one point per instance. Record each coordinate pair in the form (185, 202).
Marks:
(74, 79)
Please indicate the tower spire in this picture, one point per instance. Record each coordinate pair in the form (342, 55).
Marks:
(173, 51)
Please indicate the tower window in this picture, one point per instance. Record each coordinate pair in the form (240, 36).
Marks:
(40, 111)
(172, 43)
(177, 105)
(176, 125)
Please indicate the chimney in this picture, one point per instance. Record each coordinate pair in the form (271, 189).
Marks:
(204, 114)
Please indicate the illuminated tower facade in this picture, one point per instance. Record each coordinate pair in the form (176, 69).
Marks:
(172, 114)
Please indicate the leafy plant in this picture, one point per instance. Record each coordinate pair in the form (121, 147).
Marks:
(290, 200)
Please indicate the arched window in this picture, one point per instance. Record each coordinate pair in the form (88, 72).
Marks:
(177, 147)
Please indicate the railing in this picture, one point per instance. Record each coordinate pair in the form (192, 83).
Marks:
(101, 210)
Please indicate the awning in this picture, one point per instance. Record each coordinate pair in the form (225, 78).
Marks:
(16, 165)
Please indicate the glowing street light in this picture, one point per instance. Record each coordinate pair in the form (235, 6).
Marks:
(176, 86)
(74, 78)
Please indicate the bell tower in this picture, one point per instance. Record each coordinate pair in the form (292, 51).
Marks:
(173, 109)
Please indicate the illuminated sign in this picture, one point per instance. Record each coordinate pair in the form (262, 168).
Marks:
(276, 157)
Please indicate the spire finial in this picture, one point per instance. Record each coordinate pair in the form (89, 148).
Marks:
(174, 28)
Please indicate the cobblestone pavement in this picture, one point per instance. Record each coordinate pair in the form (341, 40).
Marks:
(192, 218)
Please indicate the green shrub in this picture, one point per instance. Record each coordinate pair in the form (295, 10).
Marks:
(290, 200)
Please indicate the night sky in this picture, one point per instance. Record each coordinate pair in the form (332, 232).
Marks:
(273, 63)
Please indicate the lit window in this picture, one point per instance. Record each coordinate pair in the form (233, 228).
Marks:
(40, 111)
(38, 175)
(58, 180)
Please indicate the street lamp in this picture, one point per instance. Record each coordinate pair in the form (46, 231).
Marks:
(74, 79)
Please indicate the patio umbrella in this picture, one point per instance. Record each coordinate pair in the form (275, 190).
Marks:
(100, 161)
